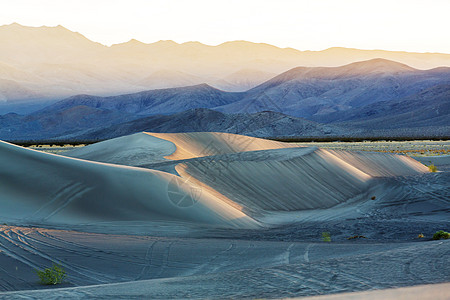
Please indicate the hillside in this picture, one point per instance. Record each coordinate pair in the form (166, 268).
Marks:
(80, 113)
(318, 92)
(159, 101)
(424, 112)
(262, 124)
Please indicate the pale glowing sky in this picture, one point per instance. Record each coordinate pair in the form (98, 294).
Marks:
(408, 25)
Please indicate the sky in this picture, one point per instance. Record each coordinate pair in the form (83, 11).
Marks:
(412, 25)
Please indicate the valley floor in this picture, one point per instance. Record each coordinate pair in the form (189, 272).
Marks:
(417, 148)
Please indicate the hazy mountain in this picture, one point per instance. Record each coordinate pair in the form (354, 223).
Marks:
(243, 80)
(26, 47)
(54, 62)
(319, 91)
(168, 79)
(262, 124)
(10, 89)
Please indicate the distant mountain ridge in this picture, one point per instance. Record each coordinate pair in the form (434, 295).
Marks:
(375, 97)
(50, 63)
(312, 92)
(159, 101)
(80, 113)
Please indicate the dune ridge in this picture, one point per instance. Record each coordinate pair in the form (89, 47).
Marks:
(200, 178)
(42, 187)
(130, 150)
(198, 144)
(261, 177)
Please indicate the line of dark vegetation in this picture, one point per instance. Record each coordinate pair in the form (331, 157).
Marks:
(302, 139)
(59, 143)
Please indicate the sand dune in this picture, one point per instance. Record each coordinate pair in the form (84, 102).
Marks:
(145, 148)
(279, 180)
(258, 176)
(218, 178)
(41, 187)
(180, 216)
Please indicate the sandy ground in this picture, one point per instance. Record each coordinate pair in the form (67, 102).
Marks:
(413, 148)
(424, 292)
(442, 162)
(157, 217)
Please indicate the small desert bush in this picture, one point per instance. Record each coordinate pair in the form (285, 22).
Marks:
(432, 168)
(326, 237)
(441, 234)
(54, 275)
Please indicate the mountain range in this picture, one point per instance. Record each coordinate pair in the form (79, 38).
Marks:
(42, 64)
(377, 97)
(316, 92)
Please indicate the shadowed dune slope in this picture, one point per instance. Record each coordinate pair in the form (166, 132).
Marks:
(279, 180)
(381, 164)
(295, 179)
(41, 187)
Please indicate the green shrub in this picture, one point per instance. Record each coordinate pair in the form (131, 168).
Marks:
(54, 275)
(432, 168)
(326, 237)
(441, 234)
